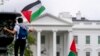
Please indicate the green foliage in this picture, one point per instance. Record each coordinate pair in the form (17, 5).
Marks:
(31, 39)
(28, 52)
(11, 49)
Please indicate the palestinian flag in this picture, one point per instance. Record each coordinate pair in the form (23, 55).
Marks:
(33, 10)
(73, 51)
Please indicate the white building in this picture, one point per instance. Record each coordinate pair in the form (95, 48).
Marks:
(55, 34)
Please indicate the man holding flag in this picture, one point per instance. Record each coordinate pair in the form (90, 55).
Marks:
(31, 12)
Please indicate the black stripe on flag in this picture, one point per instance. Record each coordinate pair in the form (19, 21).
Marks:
(30, 5)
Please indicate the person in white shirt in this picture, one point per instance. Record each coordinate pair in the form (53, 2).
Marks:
(19, 42)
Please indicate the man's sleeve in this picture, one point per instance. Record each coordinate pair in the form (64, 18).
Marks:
(16, 28)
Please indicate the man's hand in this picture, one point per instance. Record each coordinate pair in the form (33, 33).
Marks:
(5, 28)
(31, 30)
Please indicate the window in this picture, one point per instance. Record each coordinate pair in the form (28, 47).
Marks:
(87, 39)
(87, 53)
(43, 39)
(76, 39)
(98, 39)
(98, 53)
(58, 53)
(58, 39)
(76, 53)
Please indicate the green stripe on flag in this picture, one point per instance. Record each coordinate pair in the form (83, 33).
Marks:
(37, 13)
(72, 54)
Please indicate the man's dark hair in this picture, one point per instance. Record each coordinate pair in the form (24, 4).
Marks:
(20, 20)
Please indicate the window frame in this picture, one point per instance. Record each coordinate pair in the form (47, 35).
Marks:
(76, 53)
(42, 39)
(88, 53)
(58, 53)
(88, 39)
(76, 39)
(98, 39)
(58, 39)
(98, 53)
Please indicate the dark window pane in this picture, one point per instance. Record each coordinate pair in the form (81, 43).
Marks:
(87, 53)
(58, 53)
(43, 39)
(98, 39)
(58, 39)
(77, 54)
(76, 39)
(98, 53)
(87, 39)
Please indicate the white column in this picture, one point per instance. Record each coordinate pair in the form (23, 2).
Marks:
(65, 44)
(54, 43)
(39, 43)
(70, 39)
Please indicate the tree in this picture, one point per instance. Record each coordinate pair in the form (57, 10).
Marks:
(30, 41)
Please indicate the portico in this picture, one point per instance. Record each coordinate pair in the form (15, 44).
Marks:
(53, 34)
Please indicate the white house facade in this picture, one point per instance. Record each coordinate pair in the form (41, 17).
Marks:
(55, 34)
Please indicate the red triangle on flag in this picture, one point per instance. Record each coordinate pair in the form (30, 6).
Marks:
(27, 15)
(73, 46)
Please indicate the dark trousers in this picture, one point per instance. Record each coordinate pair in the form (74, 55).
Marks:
(19, 45)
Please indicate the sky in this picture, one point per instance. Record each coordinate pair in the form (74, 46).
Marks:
(88, 8)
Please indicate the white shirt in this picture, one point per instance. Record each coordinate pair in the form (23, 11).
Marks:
(17, 28)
